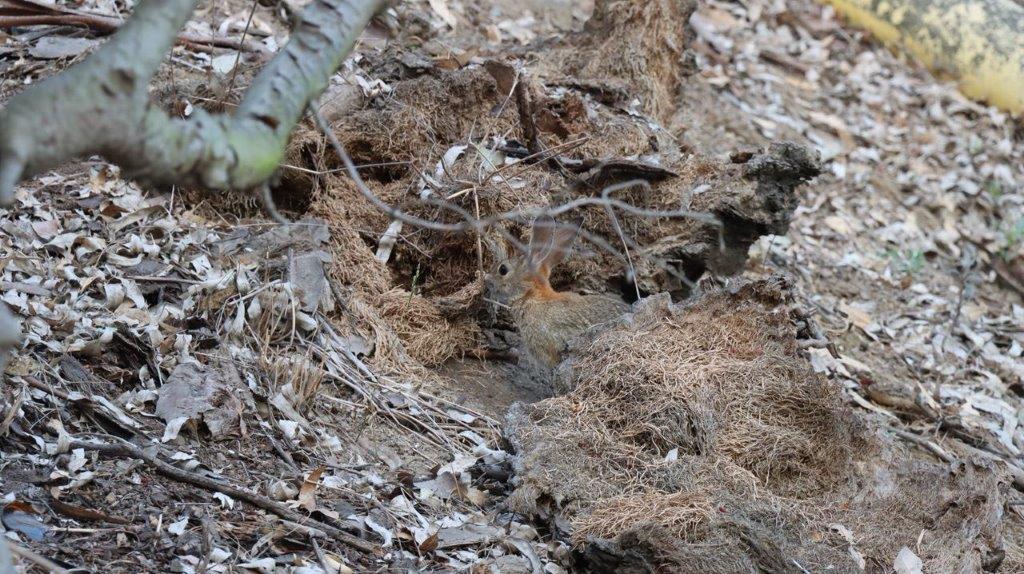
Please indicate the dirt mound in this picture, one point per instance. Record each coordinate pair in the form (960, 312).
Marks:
(698, 438)
(466, 158)
(629, 50)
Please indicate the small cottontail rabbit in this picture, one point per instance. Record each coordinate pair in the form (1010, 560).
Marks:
(547, 319)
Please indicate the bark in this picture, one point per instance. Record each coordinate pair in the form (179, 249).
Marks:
(101, 106)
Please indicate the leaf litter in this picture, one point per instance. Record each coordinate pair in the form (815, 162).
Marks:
(904, 251)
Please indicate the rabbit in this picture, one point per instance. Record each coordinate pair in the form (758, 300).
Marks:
(547, 320)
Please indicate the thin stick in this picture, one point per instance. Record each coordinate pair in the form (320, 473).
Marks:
(320, 555)
(103, 25)
(126, 449)
(36, 559)
(920, 440)
(238, 58)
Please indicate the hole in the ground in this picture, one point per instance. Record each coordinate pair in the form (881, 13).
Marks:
(627, 289)
(292, 199)
(738, 234)
(374, 164)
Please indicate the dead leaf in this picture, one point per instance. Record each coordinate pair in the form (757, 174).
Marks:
(82, 513)
(307, 493)
(504, 74)
(467, 535)
(907, 562)
(429, 545)
(440, 8)
(47, 230)
(211, 394)
(859, 317)
(456, 60)
(178, 528)
(838, 224)
(306, 274)
(21, 517)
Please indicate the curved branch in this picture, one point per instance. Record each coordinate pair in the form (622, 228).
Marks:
(93, 106)
(101, 105)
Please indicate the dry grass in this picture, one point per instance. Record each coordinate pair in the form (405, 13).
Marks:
(764, 454)
(721, 379)
(680, 514)
(429, 337)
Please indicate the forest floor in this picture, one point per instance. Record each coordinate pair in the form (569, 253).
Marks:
(841, 388)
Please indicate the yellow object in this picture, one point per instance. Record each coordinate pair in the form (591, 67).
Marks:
(979, 43)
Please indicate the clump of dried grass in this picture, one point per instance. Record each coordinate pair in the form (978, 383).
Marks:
(720, 378)
(681, 514)
(682, 409)
(425, 113)
(296, 376)
(428, 335)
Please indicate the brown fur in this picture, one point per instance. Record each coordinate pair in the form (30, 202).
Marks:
(547, 319)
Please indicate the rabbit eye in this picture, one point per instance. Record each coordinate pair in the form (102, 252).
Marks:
(503, 270)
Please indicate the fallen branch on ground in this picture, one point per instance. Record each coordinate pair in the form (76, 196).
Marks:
(1015, 471)
(126, 449)
(15, 13)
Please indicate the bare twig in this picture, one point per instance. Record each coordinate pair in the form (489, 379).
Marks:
(238, 58)
(27, 13)
(126, 449)
(320, 555)
(922, 441)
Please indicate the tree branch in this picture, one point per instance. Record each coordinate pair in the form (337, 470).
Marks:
(100, 106)
(126, 449)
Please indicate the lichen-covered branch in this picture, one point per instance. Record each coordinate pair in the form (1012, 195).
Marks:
(101, 105)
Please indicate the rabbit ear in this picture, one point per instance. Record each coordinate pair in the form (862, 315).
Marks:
(550, 242)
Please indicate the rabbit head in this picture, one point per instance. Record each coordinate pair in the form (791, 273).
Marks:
(515, 278)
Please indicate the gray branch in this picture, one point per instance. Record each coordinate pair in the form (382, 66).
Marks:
(101, 105)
